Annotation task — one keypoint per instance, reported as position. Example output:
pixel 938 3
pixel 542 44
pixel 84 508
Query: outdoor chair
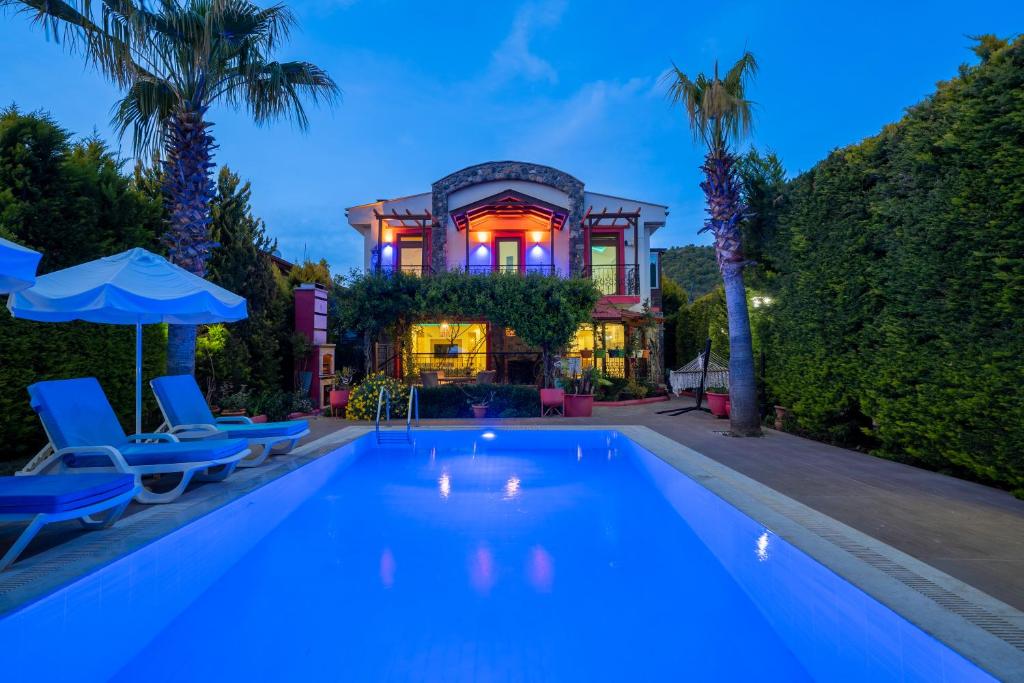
pixel 552 402
pixel 486 377
pixel 185 410
pixel 431 378
pixel 86 437
pixel 59 497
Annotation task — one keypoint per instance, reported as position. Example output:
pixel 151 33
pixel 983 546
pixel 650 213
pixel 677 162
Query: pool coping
pixel 983 629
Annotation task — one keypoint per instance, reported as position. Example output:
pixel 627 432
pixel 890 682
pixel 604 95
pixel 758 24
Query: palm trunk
pixel 188 191
pixel 725 213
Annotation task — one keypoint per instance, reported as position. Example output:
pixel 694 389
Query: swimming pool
pixel 478 556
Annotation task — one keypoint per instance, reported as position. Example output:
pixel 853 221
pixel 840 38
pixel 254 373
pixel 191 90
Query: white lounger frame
pixel 268 442
pixel 204 470
pixel 113 508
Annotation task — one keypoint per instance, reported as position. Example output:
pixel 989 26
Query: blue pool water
pixel 500 556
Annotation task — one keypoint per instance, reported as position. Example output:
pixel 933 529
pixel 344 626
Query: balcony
pixel 615 279
pixel 408 269
pixel 544 269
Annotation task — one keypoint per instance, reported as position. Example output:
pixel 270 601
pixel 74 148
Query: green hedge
pixel 450 401
pixel 898 321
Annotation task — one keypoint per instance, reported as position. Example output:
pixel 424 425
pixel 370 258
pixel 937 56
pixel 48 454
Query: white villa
pixel 518 217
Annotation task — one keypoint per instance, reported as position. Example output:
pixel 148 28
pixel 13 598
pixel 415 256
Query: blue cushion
pixel 75 412
pixel 261 430
pixel 164 453
pixel 60 492
pixel 181 400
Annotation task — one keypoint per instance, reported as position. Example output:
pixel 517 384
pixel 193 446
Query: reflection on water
pixel 481 570
pixel 387 568
pixel 541 571
pixel 762 547
pixel 444 484
pixel 512 487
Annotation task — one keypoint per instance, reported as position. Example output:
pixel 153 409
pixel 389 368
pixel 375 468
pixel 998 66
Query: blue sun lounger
pixel 59 497
pixel 185 409
pixel 86 437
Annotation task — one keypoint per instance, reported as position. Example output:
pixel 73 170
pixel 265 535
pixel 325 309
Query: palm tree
pixel 175 59
pixel 719 114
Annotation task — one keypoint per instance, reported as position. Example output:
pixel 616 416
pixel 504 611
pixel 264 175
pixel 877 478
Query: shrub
pixel 362 402
pixel 450 401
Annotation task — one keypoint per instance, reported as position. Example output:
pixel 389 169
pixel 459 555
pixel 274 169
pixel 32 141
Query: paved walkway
pixel 972 532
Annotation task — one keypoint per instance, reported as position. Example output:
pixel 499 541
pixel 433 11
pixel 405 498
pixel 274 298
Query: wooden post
pixel 551 242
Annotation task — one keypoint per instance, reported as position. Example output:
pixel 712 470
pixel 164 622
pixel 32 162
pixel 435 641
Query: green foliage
pixel 897 319
pixel 764 181
pixel 693 267
pixel 362 402
pixel 310 272
pixel 248 352
pixel 71 201
pixel 450 401
pixel 545 311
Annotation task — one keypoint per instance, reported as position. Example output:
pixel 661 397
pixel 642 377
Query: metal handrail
pixel 384 402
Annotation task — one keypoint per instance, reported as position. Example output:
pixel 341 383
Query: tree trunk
pixel 181 349
pixel 744 419
pixel 725 213
pixel 188 190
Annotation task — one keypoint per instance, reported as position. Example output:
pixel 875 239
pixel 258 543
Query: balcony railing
pixel 510 367
pixel 545 269
pixel 411 270
pixel 622 278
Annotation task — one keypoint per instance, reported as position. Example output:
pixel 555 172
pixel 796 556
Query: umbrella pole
pixel 138 378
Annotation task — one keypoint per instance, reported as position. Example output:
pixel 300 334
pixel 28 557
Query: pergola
pixel 512 204
pixel 620 220
pixel 424 221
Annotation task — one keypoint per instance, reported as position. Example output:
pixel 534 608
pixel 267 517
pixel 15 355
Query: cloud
pixel 513 58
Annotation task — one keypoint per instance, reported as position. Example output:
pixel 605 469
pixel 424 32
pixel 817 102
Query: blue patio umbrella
pixel 136 287
pixel 17 266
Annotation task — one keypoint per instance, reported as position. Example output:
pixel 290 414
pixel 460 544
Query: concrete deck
pixel 971 532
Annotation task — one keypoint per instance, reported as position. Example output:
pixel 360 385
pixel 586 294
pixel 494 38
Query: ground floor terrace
pixel 619 345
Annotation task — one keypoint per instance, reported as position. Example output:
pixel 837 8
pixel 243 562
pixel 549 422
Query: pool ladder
pixel 384 403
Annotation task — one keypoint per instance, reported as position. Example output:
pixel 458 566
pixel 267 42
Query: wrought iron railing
pixel 622 278
pixel 509 367
pixel 408 269
pixel 545 269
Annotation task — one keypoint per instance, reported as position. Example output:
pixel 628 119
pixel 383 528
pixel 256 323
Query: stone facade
pixel 506 170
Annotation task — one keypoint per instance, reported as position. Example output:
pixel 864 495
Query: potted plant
pixel 586 353
pixel 234 403
pixel 478 404
pixel 342 388
pixel 717 397
pixel 579 392
pixel 599 353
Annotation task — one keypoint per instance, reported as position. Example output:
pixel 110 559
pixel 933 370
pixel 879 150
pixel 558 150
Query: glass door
pixel 410 254
pixel 507 254
pixel 604 262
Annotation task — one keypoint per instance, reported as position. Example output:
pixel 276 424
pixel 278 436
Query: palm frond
pixel 717 108
pixel 144 110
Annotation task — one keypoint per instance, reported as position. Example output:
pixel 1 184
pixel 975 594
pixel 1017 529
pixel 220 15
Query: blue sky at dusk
pixel 432 87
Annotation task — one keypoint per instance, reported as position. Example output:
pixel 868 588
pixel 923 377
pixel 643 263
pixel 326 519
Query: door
pixel 507 254
pixel 605 269
pixel 410 254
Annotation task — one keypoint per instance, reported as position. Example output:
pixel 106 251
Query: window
pixel 655 275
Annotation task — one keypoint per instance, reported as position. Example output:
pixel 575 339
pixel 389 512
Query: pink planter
pixel 579 405
pixel 716 404
pixel 479 412
pixel 259 419
pixel 339 400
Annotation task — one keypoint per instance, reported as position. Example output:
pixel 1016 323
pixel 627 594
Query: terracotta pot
pixel 232 413
pixel 579 405
pixel 645 354
pixel 586 353
pixel 338 400
pixel 780 417
pixel 259 419
pixel 716 403
pixel 479 412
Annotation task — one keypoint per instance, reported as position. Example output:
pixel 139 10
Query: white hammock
pixel 688 376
